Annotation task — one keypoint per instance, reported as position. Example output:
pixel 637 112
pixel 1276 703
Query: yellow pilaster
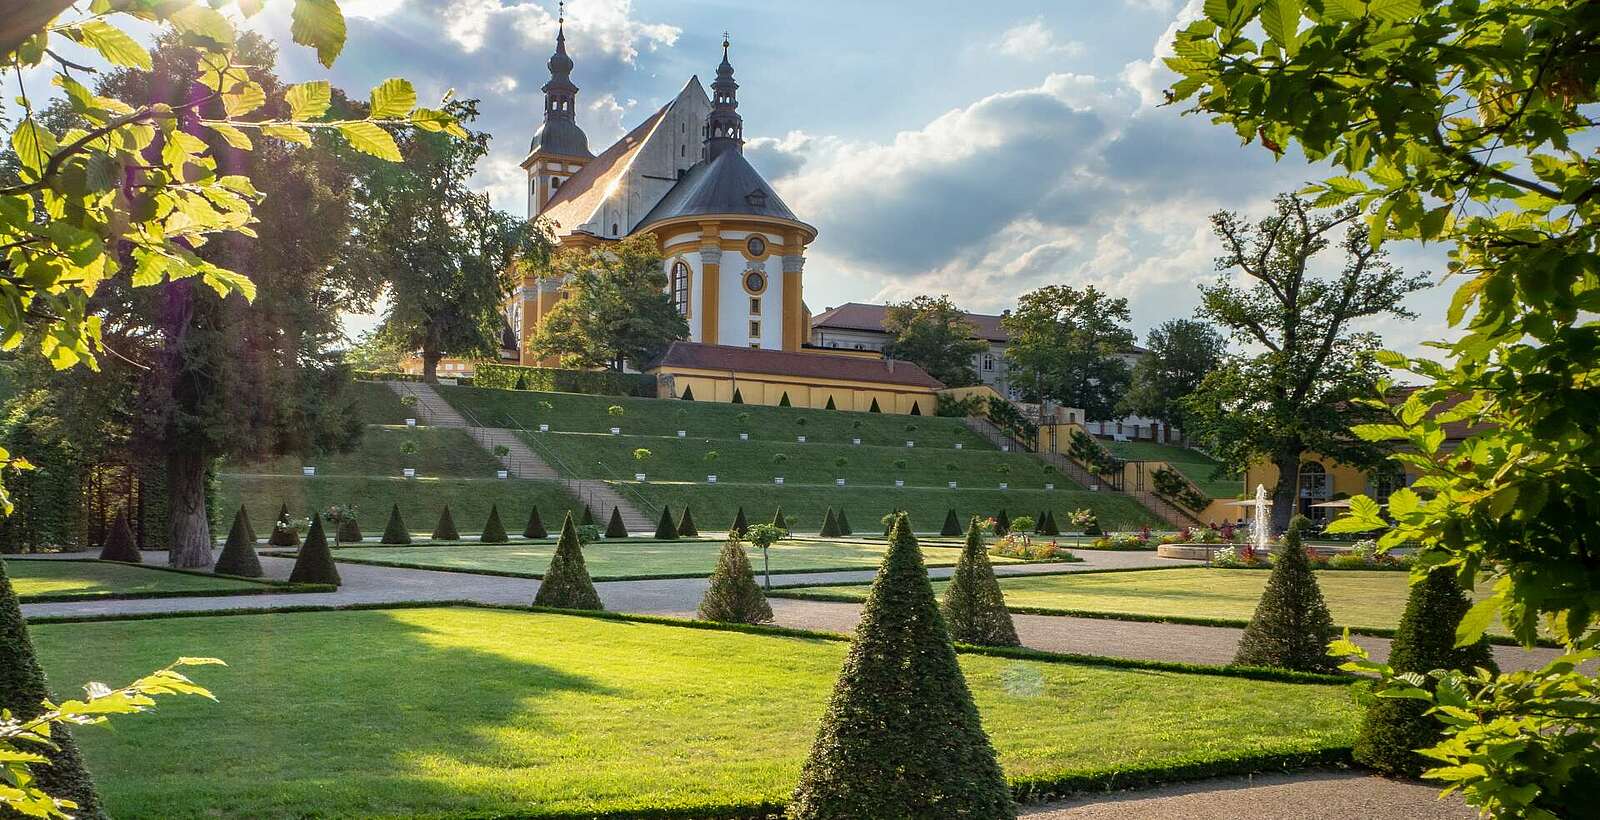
pixel 710 281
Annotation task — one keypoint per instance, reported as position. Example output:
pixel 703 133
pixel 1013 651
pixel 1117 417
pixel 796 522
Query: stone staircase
pixel 521 461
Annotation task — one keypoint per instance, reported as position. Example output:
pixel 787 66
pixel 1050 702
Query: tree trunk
pixel 1284 501
pixel 190 532
pixel 430 366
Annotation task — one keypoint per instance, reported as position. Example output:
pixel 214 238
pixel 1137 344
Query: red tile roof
pixel 574 203
pixel 860 316
pixel 795 363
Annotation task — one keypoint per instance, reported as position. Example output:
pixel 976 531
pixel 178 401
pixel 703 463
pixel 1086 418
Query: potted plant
pixel 710 457
pixel 763 536
pixel 409 402
pixel 408 448
pixel 501 452
pixel 640 455
pixel 342 519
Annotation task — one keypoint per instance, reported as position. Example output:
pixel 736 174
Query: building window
pixel 755 306
pixel 988 362
pixel 680 287
pixel 755 282
pixel 1314 481
pixel 1385 482
pixel 615 229
pixel 755 329
pixel 860 346
pixel 555 183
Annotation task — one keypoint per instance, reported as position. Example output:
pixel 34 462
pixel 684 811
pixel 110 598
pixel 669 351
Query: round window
pixel 756 245
pixel 755 282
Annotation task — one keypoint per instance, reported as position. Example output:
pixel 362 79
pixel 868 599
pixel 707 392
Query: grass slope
pixel 420 499
pixel 44 579
pixel 475 713
pixel 1194 465
pixel 441 451
pixel 377 404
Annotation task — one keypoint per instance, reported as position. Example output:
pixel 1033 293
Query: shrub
pixel 283 533
pixel 1291 626
pixel 641 454
pixel 734 597
pixel 249 529
pixel 1171 484
pixel 445 530
pixel 665 529
pixel 494 532
pixel 711 455
pixel 395 531
pixel 686 527
pixel 1393 728
pixel 238 552
pixel 1120 542
pixel 588 517
pixel 314 563
pixel 740 525
pixel 973 606
pixel 119 544
pixel 900 463
pixel 501 451
pixel 588 533
pixel 349 530
pixel 952 524
pixel 1086 450
pixel 616 411
pixel 1086 521
pixel 778 519
pixel 841 462
pixel 566 584
pixel 844 524
pixel 1002 523
pixel 23 691
pixel 535 528
pixel 555 380
pixel 779 458
pixel 901 737
pixel 615 528
pixel 1020 524
pixel 830 525
pixel 1039 523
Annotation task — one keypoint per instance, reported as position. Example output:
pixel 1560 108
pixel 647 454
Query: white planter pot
pixel 855 441
pixel 777 479
pixel 411 422
pixel 616 431
pixel 449 381
pixel 744 436
pixel 839 482
pixel 1094 488
pixel 308 471
pixel 1004 486
pixel 911 444
pixel 501 473
pixel 899 482
pixel 1049 486
pixel 1006 448
pixel 682 433
pixel 958 445
pixel 952 485
pixel 800 439
pixel 711 479
pixel 638 476
pixel 544 428
pixel 410 472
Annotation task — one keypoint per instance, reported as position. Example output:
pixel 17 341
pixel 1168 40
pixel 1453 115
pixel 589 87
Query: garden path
pixel 1312 795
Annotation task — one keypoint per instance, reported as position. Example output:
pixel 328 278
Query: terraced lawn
pixel 441 452
pixel 53 580
pixel 450 712
pixel 420 500
pixel 1194 465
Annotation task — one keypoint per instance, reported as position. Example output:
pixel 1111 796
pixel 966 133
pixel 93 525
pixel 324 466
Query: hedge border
pixel 267 586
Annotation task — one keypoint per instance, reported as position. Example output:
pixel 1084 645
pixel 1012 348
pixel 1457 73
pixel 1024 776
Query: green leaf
pixel 1394 11
pixel 308 101
pixel 114 44
pixel 1478 619
pixel 319 24
pixel 33 145
pixel 1281 20
pixel 393 98
pixel 1404 502
pixel 203 21
pixel 368 138
pixel 247 98
pixel 231 135
pixel 288 133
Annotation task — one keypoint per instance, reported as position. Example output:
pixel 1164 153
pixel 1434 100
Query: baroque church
pixel 734 253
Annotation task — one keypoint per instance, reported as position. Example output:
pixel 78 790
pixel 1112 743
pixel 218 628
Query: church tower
pixel 560 148
pixel 724 130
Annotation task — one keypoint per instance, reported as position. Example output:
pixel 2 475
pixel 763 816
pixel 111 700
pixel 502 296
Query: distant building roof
pixel 725 185
pixel 861 316
pixel 564 137
pixel 794 363
pixel 577 199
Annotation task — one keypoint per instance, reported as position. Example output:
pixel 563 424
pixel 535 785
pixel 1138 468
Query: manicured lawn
pixel 1356 598
pixel 36 579
pixel 420 500
pixel 1194 465
pixel 636 557
pixel 441 451
pixel 475 713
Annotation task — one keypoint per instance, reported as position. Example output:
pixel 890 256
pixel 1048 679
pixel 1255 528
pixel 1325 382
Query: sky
pixel 979 150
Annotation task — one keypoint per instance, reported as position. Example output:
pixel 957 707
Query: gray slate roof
pixel 561 136
pixel 725 185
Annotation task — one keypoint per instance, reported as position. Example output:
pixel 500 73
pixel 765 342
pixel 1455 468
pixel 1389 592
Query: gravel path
pixel 1314 795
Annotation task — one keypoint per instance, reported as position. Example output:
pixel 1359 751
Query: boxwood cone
pixel 119 544
pixel 830 525
pixel 1394 728
pixel 535 528
pixel 615 528
pixel 739 524
pixel 249 529
pixel 1040 523
pixel 844 524
pixel 901 737
pixel 22 691
pixel 238 552
pixel 566 584
pixel 314 564
pixel 588 517
pixel 1291 626
pixel 778 519
pixel 952 524
pixel 665 529
pixel 734 597
pixel 283 536
pixel 445 530
pixel 973 607
pixel 1002 523
pixel 1050 527
pixel 494 532
pixel 395 531
pixel 686 527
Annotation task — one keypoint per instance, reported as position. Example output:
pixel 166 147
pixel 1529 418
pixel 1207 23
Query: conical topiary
pixel 665 529
pixel 779 520
pixel 734 597
pixel 23 690
pixel 494 532
pixel 1040 523
pixel 238 552
pixel 1291 626
pixel 1002 523
pixel 973 607
pixel 249 528
pixel 588 517
pixel 1050 527
pixel 686 527
pixel 1394 728
pixel 615 528
pixel 739 524
pixel 283 536
pixel 566 584
pixel 844 523
pixel 314 564
pixel 952 524
pixel 119 544
pixel 535 528
pixel 349 530
pixel 901 737
pixel 889 521
pixel 445 530
pixel 830 525
pixel 395 531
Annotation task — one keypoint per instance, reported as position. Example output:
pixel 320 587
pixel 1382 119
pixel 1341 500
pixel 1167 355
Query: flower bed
pixel 1022 547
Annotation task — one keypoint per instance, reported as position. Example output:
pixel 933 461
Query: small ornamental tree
pixel 830 525
pixel 973 606
pixel 588 517
pixel 238 552
pixel 901 737
pixel 778 519
pixel 395 531
pixel 686 527
pixel 740 525
pixel 615 528
pixel 665 529
pixel 23 692
pixel 494 532
pixel 952 524
pixel 566 584
pixel 844 523
pixel 283 535
pixel 734 597
pixel 119 544
pixel 1394 728
pixel 1291 626
pixel 535 528
pixel 314 564
pixel 445 530
pixel 1002 523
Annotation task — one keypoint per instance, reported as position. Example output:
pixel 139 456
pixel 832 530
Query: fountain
pixel 1261 526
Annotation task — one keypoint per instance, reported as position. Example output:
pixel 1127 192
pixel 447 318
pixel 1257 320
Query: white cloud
pixel 370 9
pixel 1151 77
pixel 605 27
pixel 1033 40
pixel 504 84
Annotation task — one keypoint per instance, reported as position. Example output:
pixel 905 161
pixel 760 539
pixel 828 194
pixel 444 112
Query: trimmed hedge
pixel 119 544
pixel 493 531
pixel 445 530
pixel 844 524
pixel 283 536
pixel 349 531
pixel 556 380
pixel 973 605
pixel 615 528
pixel 1291 626
pixel 952 524
pixel 830 525
pixel 740 525
pixel 314 564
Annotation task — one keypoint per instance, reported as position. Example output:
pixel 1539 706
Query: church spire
pixel 560 133
pixel 724 126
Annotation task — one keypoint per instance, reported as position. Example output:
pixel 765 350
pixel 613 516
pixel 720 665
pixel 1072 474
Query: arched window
pixel 680 287
pixel 1384 482
pixel 1314 481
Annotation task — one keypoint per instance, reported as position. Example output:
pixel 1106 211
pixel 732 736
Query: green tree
pixel 901 737
pixel 1294 384
pixel 733 596
pixel 566 584
pixel 762 537
pixel 1291 626
pixel 239 551
pixel 935 335
pixel 615 312
pixel 374 351
pixel 1182 352
pixel 1065 344
pixel 314 562
pixel 974 608
pixel 395 531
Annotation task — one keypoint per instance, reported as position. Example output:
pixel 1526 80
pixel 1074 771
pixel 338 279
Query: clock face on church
pixel 755 281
